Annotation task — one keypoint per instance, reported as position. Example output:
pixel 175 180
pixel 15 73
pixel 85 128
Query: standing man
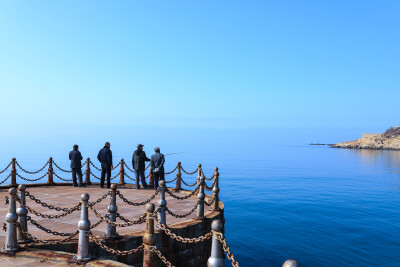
pixel 138 159
pixel 76 165
pixel 157 166
pixel 105 158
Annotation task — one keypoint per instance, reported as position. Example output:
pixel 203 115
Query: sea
pixel 319 205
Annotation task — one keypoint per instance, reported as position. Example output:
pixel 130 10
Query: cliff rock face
pixel 378 141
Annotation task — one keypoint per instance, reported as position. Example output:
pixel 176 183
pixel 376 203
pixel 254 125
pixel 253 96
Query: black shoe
pixel 81 185
pixel 75 185
pixel 102 186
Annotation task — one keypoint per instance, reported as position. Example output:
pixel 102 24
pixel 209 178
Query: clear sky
pixel 87 66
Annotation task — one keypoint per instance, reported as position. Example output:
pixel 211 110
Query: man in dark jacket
pixel 157 166
pixel 138 159
pixel 76 165
pixel 105 158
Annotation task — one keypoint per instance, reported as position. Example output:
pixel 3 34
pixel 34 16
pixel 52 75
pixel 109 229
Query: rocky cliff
pixel 388 140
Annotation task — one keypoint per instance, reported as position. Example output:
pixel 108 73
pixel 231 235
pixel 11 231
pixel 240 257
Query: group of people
pixel 139 158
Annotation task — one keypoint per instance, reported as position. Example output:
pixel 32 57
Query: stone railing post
pixel 215 191
pixel 162 203
pixel 122 173
pixel 217 254
pixel 201 196
pixel 13 174
pixel 112 211
pixel 199 170
pixel 22 212
pixel 87 176
pixel 50 172
pixel 290 263
pixel 178 186
pixel 84 227
pixel 11 244
pixel 149 238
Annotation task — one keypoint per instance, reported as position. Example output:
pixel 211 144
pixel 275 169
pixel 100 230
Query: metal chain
pixel 91 163
pixel 130 168
pixel 5 179
pixel 189 173
pixel 148 175
pixel 49 242
pixel 126 220
pixel 128 176
pixel 226 248
pixel 194 240
pixel 162 258
pixel 141 219
pixel 38 201
pixel 65 180
pixel 37 213
pixel 115 176
pixel 183 215
pixel 100 199
pixel 115 251
pixel 41 227
pixel 148 166
pixel 190 185
pixel 167 182
pixel 61 169
pixel 182 198
pixel 139 203
pixel 32 180
pixel 209 204
pixel 172 170
pixel 211 187
pixel 116 166
pixel 19 166
pixel 6 167
pixel 98 178
pixel 208 179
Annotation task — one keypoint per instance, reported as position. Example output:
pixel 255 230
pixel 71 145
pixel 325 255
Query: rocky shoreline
pixel 389 140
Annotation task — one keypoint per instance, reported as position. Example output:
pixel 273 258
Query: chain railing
pixel 138 203
pixel 32 180
pixel 190 185
pixel 182 215
pixel 6 168
pixel 61 169
pixel 185 197
pixel 226 248
pixel 115 251
pixel 188 173
pixel 41 169
pixel 129 223
pixel 63 179
pixel 5 179
pixel 162 258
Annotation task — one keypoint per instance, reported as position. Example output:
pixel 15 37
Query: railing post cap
pixel 13 159
pixel 21 187
pixel 12 191
pixel 179 163
pixel 114 187
pixel 199 165
pixel 85 197
pixel 162 183
pixel 50 158
pixel 216 169
pixel 217 225
pixel 122 160
pixel 290 263
pixel 150 207
pixel 88 158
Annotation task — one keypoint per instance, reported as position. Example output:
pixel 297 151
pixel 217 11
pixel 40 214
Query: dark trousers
pixel 142 178
pixel 76 171
pixel 157 176
pixel 105 168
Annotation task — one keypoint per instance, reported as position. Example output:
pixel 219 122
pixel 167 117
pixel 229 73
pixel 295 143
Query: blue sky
pixel 198 65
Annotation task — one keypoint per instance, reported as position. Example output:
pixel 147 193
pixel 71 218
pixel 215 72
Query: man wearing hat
pixel 138 159
pixel 76 166
pixel 157 166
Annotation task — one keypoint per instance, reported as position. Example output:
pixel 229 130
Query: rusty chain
pixel 91 163
pixel 189 173
pixel 100 199
pixel 112 178
pixel 39 214
pixel 167 182
pixel 127 220
pixel 19 166
pixel 209 204
pixel 190 185
pixel 226 248
pixel 32 180
pixel 5 179
pixel 148 175
pixel 148 166
pixel 128 176
pixel 172 170
pixel 208 179
pixel 9 164
pixel 41 227
pixel 130 168
pixel 61 169
pixel 194 240
pixel 183 215
pixel 115 251
pixel 211 187
pixel 119 163
pixel 139 203
pixel 65 180
pixel 98 178
pixel 141 219
pixel 162 258
pixel 38 201
pixel 49 242
pixel 182 198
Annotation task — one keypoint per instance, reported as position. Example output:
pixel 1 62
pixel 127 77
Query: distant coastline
pixel 389 140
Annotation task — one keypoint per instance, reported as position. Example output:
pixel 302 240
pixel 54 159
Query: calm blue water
pixel 321 206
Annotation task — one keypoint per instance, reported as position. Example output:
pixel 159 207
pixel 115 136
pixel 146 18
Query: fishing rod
pixel 174 153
